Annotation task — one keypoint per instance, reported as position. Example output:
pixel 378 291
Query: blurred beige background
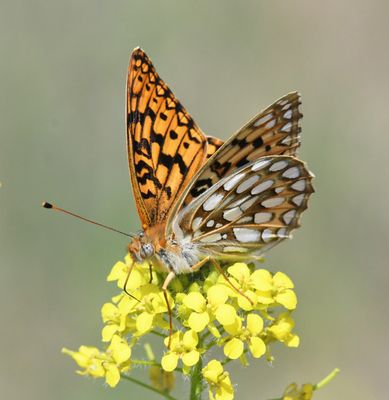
pixel 62 77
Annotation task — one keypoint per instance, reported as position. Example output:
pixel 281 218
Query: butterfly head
pixel 141 248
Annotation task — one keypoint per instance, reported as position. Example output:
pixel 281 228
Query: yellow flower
pixel 283 293
pixel 107 365
pixel 274 289
pixel 207 313
pixel 131 315
pixel 250 334
pixel 220 387
pixel 293 392
pixel 199 312
pixel 88 358
pixel 183 346
pixel 281 330
pixel 261 287
pixel 241 278
pixel 140 274
pixel 198 317
pixel 151 309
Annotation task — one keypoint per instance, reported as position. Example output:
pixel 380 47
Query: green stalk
pixel 196 381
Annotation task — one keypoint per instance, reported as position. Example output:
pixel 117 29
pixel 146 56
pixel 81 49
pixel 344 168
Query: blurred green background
pixel 62 76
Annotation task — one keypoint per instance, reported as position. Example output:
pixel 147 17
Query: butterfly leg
pixel 151 273
pixel 126 282
pixel 220 269
pixel 169 278
pixel 197 266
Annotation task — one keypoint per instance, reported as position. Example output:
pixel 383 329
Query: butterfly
pixel 201 200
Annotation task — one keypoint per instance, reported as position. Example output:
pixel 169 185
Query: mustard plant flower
pixel 281 330
pixel 198 317
pixel 219 382
pixel 183 346
pixel 108 365
pixel 241 277
pixel 239 335
pixel 212 319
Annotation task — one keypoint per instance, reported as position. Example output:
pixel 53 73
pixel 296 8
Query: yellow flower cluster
pixel 208 313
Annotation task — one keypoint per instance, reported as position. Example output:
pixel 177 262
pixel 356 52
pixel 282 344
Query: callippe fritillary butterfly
pixel 201 200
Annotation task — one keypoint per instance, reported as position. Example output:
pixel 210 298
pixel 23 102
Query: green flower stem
pixel 196 382
pixel 145 362
pixel 327 379
pixel 146 386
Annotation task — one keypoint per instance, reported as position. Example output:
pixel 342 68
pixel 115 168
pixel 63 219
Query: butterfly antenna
pixel 55 208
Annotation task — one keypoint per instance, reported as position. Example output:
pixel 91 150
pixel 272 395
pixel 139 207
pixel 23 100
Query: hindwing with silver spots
pixel 274 131
pixel 250 210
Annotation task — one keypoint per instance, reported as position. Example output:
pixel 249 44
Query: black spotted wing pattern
pixel 165 146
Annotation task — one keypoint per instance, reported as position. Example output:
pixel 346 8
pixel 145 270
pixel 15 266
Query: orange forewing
pixel 165 146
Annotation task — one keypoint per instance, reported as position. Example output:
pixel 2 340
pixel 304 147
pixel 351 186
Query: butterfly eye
pixel 146 250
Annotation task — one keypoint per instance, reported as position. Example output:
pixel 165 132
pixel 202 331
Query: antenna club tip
pixel 45 204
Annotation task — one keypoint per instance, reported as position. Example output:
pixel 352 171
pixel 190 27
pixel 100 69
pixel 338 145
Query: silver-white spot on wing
pixel 288 216
pixel 213 201
pixel 287 141
pixel 282 233
pixel 298 200
pixel 273 202
pixel 262 217
pixel 279 189
pixel 291 173
pixel 232 214
pixel 267 235
pixel 247 184
pixel 286 127
pixel 262 186
pixel 260 165
pixel 248 203
pixel 245 220
pixel 270 124
pixel 299 185
pixel 277 166
pixel 285 107
pixel 288 114
pixel 245 235
pixel 233 181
